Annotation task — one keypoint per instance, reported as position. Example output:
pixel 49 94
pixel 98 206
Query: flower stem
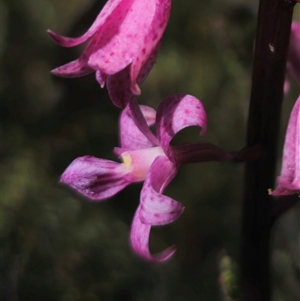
pixel 203 152
pixel 271 47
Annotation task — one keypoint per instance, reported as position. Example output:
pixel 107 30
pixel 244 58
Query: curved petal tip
pixel 164 255
pixel 135 89
pixel 55 37
pixel 139 238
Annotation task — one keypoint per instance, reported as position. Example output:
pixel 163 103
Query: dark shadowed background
pixel 56 245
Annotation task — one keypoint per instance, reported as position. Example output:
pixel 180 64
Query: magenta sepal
pixel 289 180
pixel 97 179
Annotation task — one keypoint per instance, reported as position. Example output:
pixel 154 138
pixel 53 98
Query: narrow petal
pixel 150 41
pixel 177 112
pixel 75 68
pixel 119 42
pixel 289 180
pixel 130 136
pixel 118 87
pixel 156 208
pixel 97 179
pixel 119 84
pixel 140 121
pixel 106 12
pixel 139 238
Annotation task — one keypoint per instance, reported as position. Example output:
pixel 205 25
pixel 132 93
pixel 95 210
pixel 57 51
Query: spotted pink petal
pixel 106 12
pixel 129 36
pixel 119 84
pixel 175 113
pixel 151 39
pixel 101 44
pixel 130 136
pixel 289 180
pixel 139 238
pixel 156 208
pixel 97 179
pixel 125 35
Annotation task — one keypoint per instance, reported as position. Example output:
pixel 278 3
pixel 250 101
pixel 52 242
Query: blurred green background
pixel 56 245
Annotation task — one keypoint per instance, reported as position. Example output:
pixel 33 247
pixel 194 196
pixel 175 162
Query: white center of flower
pixel 138 162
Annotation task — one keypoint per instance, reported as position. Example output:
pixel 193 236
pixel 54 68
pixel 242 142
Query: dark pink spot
pixel 154 37
pixel 156 214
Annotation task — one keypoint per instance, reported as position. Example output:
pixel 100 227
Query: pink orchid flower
pixel 293 59
pixel 123 44
pixel 289 180
pixel 144 159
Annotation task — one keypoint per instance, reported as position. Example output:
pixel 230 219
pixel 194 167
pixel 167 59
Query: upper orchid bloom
pixel 144 159
pixel 293 59
pixel 124 36
pixel 289 180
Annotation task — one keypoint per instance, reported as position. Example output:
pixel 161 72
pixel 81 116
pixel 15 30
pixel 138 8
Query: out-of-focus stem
pixel 271 47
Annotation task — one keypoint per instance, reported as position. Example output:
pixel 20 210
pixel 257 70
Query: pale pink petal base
pixel 139 238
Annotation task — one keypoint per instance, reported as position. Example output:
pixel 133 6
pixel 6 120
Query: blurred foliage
pixel 56 245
